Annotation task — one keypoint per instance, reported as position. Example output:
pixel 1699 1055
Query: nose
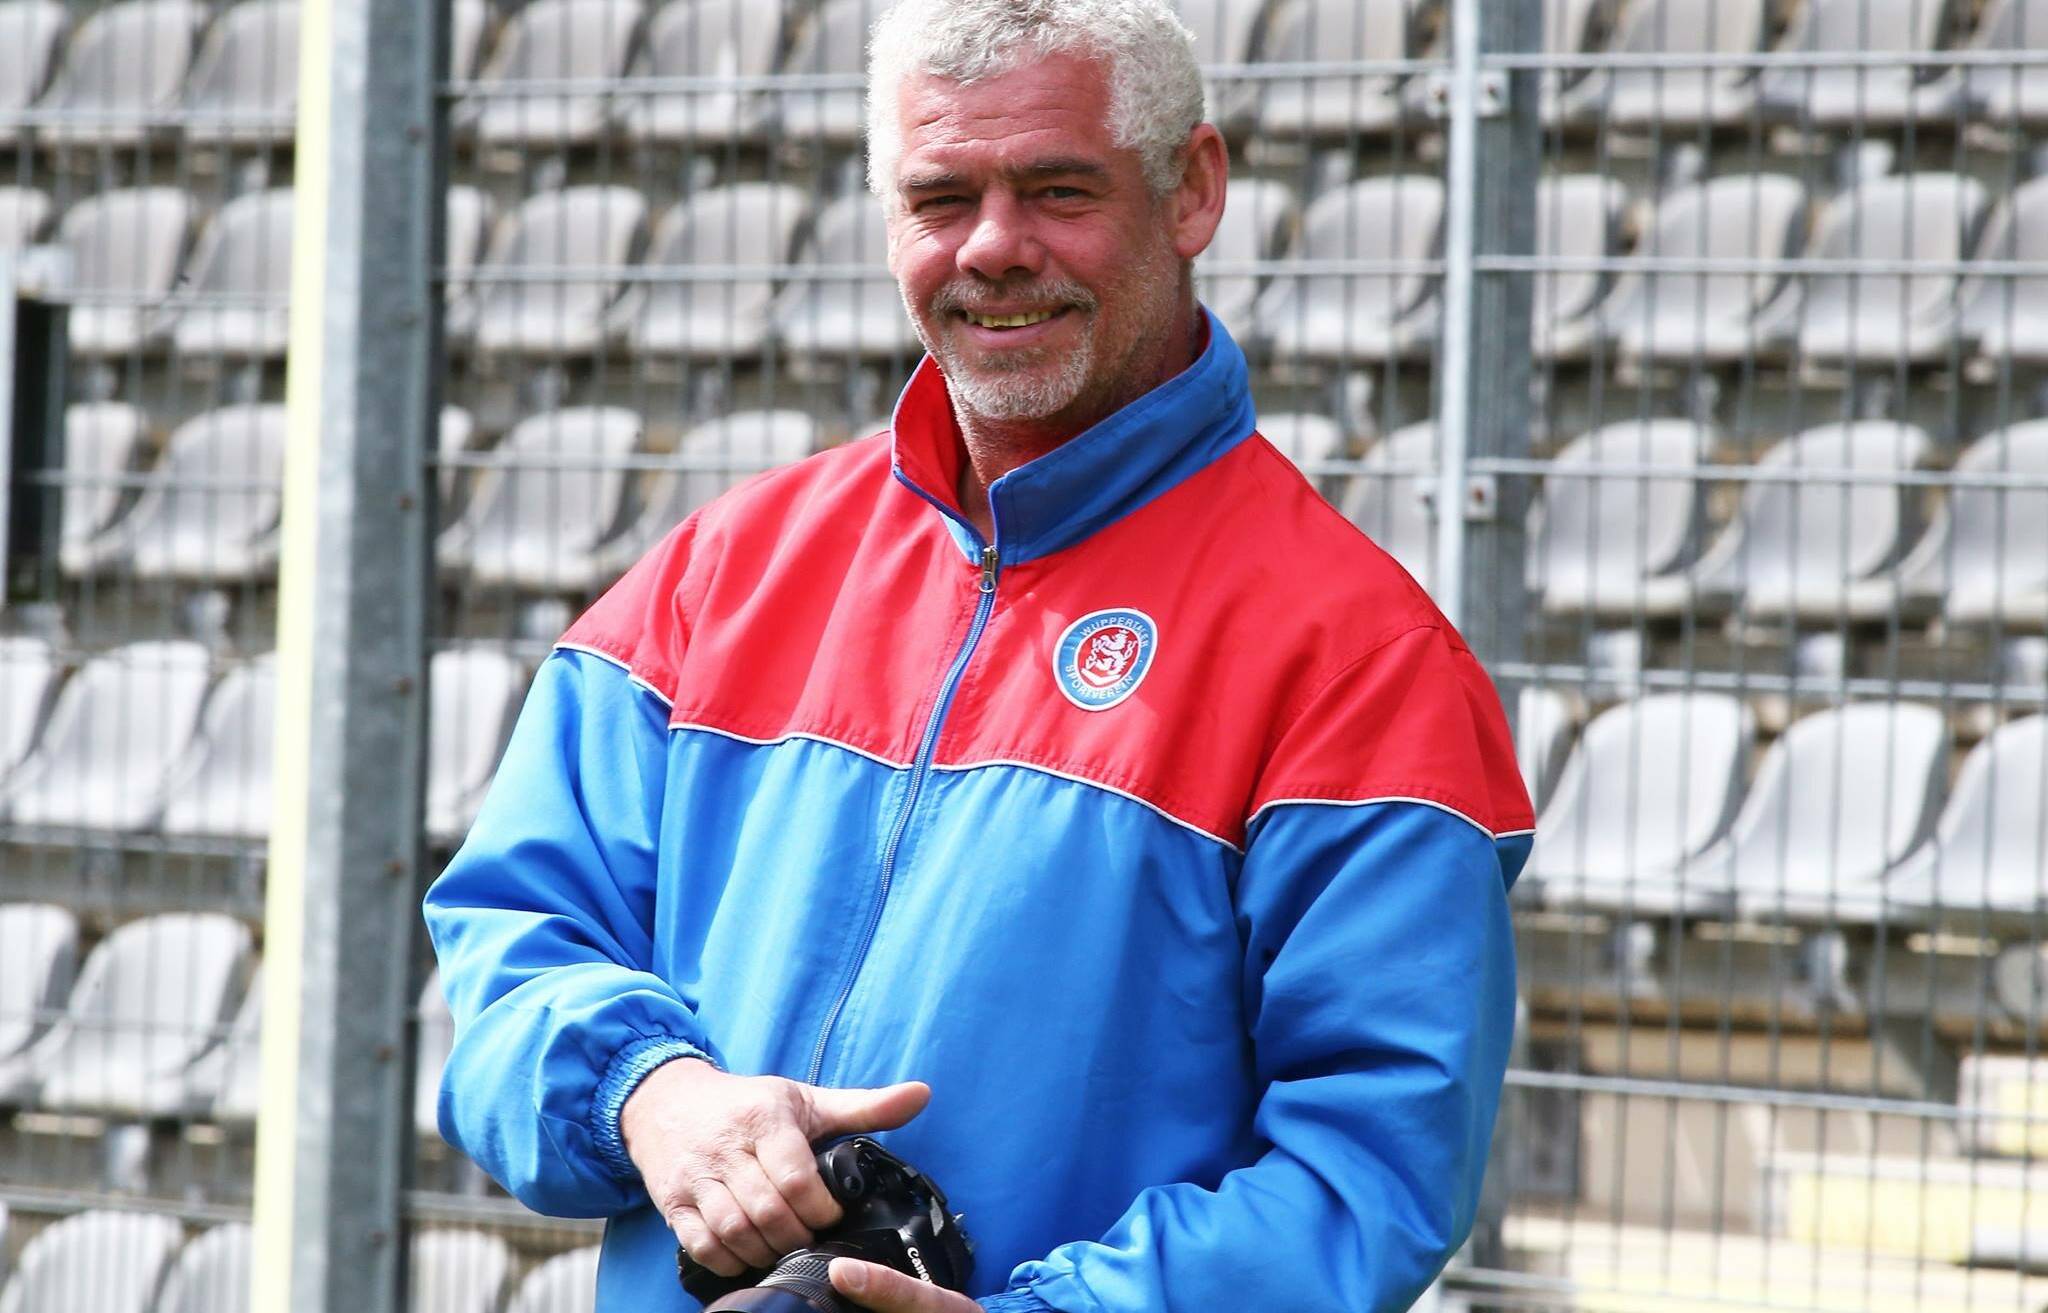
pixel 1001 244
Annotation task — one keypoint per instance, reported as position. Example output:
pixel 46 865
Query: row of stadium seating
pixel 106 1261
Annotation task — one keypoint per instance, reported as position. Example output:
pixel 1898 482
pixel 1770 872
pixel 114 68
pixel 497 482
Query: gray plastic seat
pixel 38 958
pixel 436 1042
pixel 1614 544
pixel 476 691
pixel 550 494
pixel 104 444
pixel 1985 557
pixel 1681 317
pixel 1990 848
pixel 227 791
pixel 29 672
pixel 120 726
pixel 235 303
pixel 1856 96
pixel 99 1261
pixel 228 1078
pixel 577 227
pixel 709 459
pixel 551 40
pixel 24 212
pixel 468 23
pixel 458 1271
pixel 1889 317
pixel 704 39
pixel 1567 30
pixel 1390 498
pixel 832 41
pixel 1225 33
pixel 1840 798
pixel 1578 217
pixel 125 246
pixel 29 31
pixel 244 88
pixel 468 218
pixel 2007 317
pixel 211 509
pixel 1817 547
pixel 211 1275
pixel 151 999
pixel 1677 98
pixel 746 224
pixel 1649 785
pixel 1371 316
pixel 2014 95
pixel 1329 31
pixel 124 65
pixel 566 1283
pixel 1544 722
pixel 843 316
pixel 1258 219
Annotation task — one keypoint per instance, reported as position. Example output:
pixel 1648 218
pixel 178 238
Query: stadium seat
pixel 211 1275
pixel 121 725
pixel 1567 31
pixel 244 87
pixel 544 315
pixel 833 40
pixel 457 1271
pixel 1889 317
pixel 29 673
pixel 1370 316
pixel 1389 498
pixel 749 224
pixel 840 316
pixel 436 1041
pixel 210 510
pixel 566 1283
pixel 1615 544
pixel 1989 850
pixel 1676 99
pixel 1985 557
pixel 474 693
pixel 1578 217
pixel 1226 35
pixel 234 302
pixel 124 65
pixel 104 444
pixel 1840 798
pixel 38 958
pixel 468 220
pixel 710 458
pixel 30 31
pixel 1258 220
pixel 2007 317
pixel 1309 440
pixel 24 211
pixel 1855 97
pixel 468 24
pixel 550 40
pixel 704 39
pixel 229 1077
pixel 226 791
pixel 2013 96
pixel 548 495
pixel 1544 721
pixel 152 997
pixel 1649 785
pixel 1816 547
pixel 93 1262
pixel 1683 316
pixel 1328 31
pixel 125 246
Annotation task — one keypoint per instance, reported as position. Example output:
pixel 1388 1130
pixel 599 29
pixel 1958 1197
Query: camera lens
pixel 800 1283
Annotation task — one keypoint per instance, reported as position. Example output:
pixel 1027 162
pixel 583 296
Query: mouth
pixel 1010 323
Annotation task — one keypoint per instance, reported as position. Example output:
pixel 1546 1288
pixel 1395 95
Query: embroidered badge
pixel 1102 657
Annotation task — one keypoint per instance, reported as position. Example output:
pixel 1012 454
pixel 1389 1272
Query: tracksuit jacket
pixel 1168 837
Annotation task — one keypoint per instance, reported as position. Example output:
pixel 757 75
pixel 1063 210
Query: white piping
pixel 1093 784
pixel 631 674
pixel 792 735
pixel 1366 802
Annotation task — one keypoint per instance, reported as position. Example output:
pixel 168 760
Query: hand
pixel 728 1160
pixel 885 1290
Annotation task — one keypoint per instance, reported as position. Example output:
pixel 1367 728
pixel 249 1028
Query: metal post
pixel 334 1140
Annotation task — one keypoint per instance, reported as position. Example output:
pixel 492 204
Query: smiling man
pixel 1053 783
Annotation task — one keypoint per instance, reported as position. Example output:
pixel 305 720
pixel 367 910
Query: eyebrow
pixel 1056 167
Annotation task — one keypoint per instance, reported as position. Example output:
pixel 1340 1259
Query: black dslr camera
pixel 894 1215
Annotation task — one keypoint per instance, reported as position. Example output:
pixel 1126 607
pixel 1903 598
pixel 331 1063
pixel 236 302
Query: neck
pixel 995 447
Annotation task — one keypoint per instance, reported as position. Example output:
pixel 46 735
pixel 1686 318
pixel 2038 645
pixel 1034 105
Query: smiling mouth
pixel 1011 321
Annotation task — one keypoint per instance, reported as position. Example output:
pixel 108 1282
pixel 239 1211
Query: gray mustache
pixel 978 299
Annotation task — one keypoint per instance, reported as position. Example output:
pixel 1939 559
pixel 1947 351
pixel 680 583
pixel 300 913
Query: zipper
pixel 920 767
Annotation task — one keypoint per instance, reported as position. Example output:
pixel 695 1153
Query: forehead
pixel 1054 106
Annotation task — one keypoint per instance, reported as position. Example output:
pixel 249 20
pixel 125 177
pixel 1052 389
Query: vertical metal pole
pixel 334 1140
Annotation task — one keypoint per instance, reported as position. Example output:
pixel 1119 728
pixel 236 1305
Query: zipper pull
pixel 989 560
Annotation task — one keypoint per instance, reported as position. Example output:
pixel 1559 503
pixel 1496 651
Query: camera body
pixel 895 1215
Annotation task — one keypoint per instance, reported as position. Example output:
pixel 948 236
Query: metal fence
pixel 1689 351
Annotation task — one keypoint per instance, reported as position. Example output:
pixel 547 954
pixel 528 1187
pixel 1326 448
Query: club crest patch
pixel 1102 658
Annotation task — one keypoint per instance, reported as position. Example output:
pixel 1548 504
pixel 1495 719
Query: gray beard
pixel 1006 396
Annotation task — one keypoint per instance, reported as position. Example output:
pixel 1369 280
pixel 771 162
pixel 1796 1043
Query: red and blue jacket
pixel 1168 837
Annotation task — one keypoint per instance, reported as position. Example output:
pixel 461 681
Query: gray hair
pixel 1155 85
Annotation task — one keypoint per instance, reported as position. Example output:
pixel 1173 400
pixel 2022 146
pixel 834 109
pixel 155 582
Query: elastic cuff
pixel 628 1069
pixel 1017 1301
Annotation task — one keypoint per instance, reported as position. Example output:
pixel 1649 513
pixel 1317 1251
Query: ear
pixel 1198 201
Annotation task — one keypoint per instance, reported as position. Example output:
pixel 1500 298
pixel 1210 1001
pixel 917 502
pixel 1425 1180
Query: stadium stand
pixel 233 305
pixel 551 40
pixel 1989 851
pixel 1667 97
pixel 436 1039
pixel 2011 96
pixel 710 458
pixel 1611 541
pixel 551 493
pixel 458 1271
pixel 1328 31
pixel 211 1274
pixel 120 73
pixel 748 224
pixel 474 691
pixel 1545 719
pixel 1985 557
pixel 832 41
pixel 1259 219
pixel 1390 498
pixel 30 670
pixel 566 1283
pixel 100 1261
pixel 1359 316
pixel 224 788
pixel 104 443
pixel 843 305
pixel 38 958
pixel 1578 217
pixel 210 509
pixel 24 213
pixel 2007 317
pixel 244 86
pixel 31 29
pixel 1884 318
pixel 1861 95
pixel 125 248
pixel 585 226
pixel 703 38
pixel 228 1079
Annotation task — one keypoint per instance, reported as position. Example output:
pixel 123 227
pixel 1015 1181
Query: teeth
pixel 1011 321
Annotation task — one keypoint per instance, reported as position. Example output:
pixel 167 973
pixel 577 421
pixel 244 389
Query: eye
pixel 937 202
pixel 1064 193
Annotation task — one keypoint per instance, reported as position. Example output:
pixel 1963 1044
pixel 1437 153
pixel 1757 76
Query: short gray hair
pixel 1155 85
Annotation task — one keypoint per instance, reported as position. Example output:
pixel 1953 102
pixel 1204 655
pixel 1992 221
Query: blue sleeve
pixel 542 925
pixel 1379 987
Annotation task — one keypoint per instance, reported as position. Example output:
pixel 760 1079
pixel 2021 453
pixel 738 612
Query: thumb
pixel 847 1112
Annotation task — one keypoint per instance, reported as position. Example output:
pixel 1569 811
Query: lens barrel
pixel 800 1283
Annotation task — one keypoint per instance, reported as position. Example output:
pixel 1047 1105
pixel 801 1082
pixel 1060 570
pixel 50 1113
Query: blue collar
pixel 1093 479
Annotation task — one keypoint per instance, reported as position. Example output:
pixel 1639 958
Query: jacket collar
pixel 1095 478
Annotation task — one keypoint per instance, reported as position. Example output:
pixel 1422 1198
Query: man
pixel 1054 782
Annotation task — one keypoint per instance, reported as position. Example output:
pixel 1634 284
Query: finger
pixel 766 1208
pixel 793 1169
pixel 883 1289
pixel 848 1112
pixel 729 1222
pixel 697 1241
